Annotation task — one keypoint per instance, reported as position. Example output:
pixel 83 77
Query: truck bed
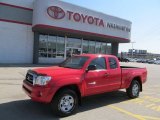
pixel 129 71
pixel 128 67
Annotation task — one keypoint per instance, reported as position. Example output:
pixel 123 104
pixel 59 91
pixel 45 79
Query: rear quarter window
pixel 113 63
pixel 100 63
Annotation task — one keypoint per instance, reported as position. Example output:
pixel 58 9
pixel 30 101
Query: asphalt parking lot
pixel 15 105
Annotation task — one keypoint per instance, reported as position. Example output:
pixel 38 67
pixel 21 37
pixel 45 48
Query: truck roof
pixel 96 55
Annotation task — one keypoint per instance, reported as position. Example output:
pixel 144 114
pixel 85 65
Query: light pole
pixel 132 42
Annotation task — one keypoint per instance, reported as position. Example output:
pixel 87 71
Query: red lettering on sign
pixel 84 17
pixel 90 20
pixel 58 13
pixel 69 14
pixel 77 17
pixel 96 20
pixel 101 23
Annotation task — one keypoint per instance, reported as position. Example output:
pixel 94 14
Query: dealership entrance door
pixel 73 47
pixel 73 51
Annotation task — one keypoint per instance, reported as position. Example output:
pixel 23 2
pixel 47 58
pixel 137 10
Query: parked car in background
pixel 157 62
pixel 124 60
pixel 133 59
pixel 142 60
pixel 151 61
pixel 139 60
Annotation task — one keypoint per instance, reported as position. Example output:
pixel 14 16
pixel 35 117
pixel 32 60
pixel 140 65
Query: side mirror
pixel 91 67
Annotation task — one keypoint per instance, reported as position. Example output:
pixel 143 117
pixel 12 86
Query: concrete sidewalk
pixel 16 71
pixel 9 73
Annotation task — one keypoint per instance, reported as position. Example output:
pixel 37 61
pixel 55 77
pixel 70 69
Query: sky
pixel 144 15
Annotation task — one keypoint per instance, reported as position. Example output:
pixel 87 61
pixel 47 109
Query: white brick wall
pixel 16 43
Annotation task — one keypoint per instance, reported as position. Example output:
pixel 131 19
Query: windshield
pixel 75 62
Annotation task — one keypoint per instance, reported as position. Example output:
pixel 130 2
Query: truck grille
pixel 30 77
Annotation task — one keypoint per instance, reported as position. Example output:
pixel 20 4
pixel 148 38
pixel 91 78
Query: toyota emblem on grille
pixel 56 12
pixel 28 77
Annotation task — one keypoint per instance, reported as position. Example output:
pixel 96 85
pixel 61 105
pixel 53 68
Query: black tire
pixel 56 103
pixel 130 91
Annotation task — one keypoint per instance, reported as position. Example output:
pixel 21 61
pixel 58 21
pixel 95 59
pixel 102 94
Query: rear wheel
pixel 134 89
pixel 65 103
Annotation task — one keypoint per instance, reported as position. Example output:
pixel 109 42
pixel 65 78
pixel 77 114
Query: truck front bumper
pixel 38 93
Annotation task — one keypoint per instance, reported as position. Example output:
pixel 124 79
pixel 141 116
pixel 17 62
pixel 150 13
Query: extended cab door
pixel 114 77
pixel 96 81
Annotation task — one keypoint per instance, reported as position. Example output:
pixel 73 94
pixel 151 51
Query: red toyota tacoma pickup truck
pixel 81 75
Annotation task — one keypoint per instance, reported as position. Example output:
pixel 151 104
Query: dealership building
pixel 49 31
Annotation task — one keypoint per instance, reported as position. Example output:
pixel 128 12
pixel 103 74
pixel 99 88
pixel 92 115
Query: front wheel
pixel 65 103
pixel 134 89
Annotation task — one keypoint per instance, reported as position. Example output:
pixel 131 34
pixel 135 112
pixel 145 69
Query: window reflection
pixel 92 46
pixel 98 47
pixel 108 49
pixel 60 47
pixel 43 45
pixel 73 42
pixel 103 48
pixel 51 46
pixel 85 46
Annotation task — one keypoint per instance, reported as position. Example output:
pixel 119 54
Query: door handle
pixel 106 74
pixel 92 83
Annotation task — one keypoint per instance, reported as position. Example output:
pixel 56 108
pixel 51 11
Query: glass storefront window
pixel 85 46
pixel 92 47
pixel 73 42
pixel 98 47
pixel 43 45
pixel 103 48
pixel 60 47
pixel 51 46
pixel 108 50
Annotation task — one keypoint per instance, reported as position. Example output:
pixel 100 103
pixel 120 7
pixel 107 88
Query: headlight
pixel 42 80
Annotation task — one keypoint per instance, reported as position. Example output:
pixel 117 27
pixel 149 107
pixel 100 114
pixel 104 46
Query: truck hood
pixel 57 71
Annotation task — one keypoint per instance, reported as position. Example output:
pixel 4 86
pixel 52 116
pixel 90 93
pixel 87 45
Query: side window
pixel 100 63
pixel 113 63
